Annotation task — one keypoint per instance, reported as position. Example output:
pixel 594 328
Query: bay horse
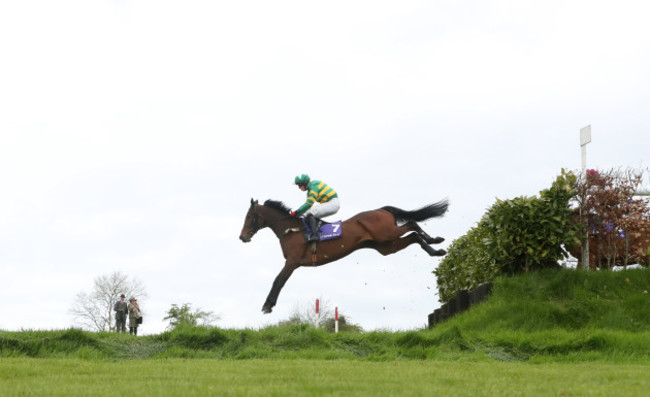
pixel 382 229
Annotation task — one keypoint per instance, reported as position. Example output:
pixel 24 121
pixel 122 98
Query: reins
pixel 279 235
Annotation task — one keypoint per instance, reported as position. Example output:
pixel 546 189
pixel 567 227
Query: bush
pixel 522 234
pixel 467 264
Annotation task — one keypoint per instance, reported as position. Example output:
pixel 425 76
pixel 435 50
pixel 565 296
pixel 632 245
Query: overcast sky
pixel 135 133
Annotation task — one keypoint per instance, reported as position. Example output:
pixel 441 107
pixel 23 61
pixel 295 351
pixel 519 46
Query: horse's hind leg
pixel 429 240
pixel 432 240
pixel 279 282
pixel 426 247
pixel 403 242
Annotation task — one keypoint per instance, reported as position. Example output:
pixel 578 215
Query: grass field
pixel 178 377
pixel 561 333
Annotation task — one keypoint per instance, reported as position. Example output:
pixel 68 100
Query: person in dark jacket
pixel 121 310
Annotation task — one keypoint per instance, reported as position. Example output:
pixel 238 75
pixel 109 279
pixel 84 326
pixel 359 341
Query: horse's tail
pixel 422 214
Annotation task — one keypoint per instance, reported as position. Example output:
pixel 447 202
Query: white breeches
pixel 325 209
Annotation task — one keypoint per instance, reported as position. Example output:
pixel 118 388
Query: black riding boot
pixel 312 222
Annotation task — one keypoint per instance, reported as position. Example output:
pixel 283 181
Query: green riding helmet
pixel 302 180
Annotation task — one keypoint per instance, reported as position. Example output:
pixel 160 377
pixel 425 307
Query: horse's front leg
pixel 279 282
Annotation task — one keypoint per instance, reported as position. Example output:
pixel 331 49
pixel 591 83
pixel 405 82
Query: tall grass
pixel 549 316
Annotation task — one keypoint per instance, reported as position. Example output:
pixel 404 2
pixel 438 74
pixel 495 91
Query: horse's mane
pixel 278 206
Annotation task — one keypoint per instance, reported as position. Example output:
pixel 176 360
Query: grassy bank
pixel 553 316
pixel 561 333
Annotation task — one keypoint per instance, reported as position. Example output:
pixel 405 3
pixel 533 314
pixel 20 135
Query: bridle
pixel 254 224
pixel 255 227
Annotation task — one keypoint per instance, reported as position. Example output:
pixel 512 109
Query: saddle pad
pixel 329 231
pixel 326 231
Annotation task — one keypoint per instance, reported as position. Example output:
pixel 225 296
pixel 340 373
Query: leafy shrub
pixel 521 234
pixel 467 264
pixel 618 221
pixel 184 315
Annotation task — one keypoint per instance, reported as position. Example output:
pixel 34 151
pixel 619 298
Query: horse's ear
pixel 253 202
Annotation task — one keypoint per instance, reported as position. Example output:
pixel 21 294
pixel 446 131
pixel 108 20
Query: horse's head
pixel 252 223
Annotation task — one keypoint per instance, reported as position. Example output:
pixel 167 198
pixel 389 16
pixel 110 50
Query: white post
pixel 585 138
pixel 336 320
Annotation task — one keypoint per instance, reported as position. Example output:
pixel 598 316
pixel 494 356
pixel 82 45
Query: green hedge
pixel 521 234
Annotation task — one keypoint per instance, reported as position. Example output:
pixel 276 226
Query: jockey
pixel 320 192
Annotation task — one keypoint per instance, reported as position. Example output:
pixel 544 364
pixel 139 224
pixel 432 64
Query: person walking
pixel 121 310
pixel 134 316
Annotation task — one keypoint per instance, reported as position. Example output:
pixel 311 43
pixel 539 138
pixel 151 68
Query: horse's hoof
pixel 441 253
pixel 429 250
pixel 437 240
pixel 266 310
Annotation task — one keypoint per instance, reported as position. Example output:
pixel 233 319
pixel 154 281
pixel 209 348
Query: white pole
pixel 336 320
pixel 585 138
